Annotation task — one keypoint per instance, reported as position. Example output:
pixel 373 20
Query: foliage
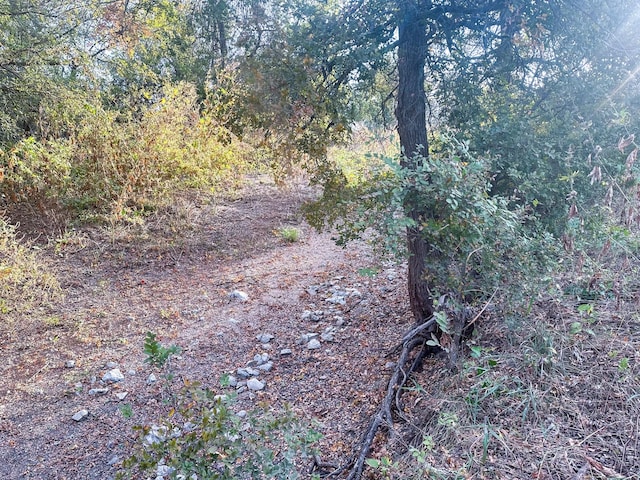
pixel 289 234
pixel 25 282
pixel 205 437
pixel 157 354
pixel 110 163
pixel 477 242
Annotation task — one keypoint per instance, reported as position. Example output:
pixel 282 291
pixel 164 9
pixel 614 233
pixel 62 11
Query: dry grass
pixel 539 398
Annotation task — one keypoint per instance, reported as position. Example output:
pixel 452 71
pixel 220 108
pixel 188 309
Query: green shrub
pixel 205 437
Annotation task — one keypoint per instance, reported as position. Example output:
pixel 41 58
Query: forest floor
pixel 551 395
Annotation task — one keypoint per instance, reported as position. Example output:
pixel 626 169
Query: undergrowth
pixel 25 281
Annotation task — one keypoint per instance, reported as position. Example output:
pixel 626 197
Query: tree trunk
pixel 412 129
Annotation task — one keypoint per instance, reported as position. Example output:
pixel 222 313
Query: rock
pixel 258 359
pixel 151 379
pixel 156 435
pixel 389 365
pixel 243 373
pixel 313 344
pixel 114 460
pixel 98 391
pixel 233 381
pixel 131 372
pixel 80 415
pixel 255 384
pixel 113 376
pixel 337 298
pixel 265 337
pixel 252 371
pixel 242 413
pixel 327 337
pixel 239 295
pixel 286 351
pixel 339 321
pixel 111 365
pixel 164 471
pixel 122 395
pixel 266 367
pixel 314 316
pixel 70 363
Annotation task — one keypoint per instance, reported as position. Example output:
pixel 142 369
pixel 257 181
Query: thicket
pixel 99 161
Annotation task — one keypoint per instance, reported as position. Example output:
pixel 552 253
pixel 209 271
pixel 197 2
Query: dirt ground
pixel 172 276
pixel 551 392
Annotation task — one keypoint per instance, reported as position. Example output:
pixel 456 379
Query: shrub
pixel 24 280
pixel 109 162
pixel 205 437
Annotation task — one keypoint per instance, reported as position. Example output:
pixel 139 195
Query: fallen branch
pixel 384 415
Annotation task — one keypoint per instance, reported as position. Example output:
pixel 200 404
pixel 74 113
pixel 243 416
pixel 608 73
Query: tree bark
pixel 412 129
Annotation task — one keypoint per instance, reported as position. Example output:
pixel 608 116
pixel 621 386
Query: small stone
pixel 111 365
pixel 243 373
pixel 265 337
pixel 98 391
pixel 122 395
pixel 327 337
pixel 339 321
pixel 389 365
pixel 286 351
pixel 266 367
pixel 151 379
pixel 241 389
pixel 255 384
pixel 313 344
pixel 164 471
pixel 131 372
pixel 239 295
pixel 156 435
pixel 113 376
pixel 80 415
pixel 242 413
pixel 252 371
pixel 233 381
pixel 70 363
pixel 114 460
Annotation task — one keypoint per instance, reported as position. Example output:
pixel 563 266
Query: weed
pixel 289 234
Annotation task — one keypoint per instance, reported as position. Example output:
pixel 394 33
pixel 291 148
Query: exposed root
pixel 384 414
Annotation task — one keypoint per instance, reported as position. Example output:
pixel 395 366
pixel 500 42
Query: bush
pixel 478 242
pixel 24 281
pixel 109 163
pixel 206 438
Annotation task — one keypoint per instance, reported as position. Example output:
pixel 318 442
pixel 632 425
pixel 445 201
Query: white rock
pixel 313 344
pixel 286 351
pixel 239 295
pixel 255 384
pixel 112 376
pixel 122 395
pixel 70 363
pixel 98 391
pixel 151 379
pixel 265 337
pixel 164 470
pixel 80 415
pixel 266 367
pixel 111 365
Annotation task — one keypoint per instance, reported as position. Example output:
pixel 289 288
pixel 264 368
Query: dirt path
pixel 172 276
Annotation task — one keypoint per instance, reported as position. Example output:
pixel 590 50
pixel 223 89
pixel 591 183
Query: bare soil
pixel 551 393
pixel 172 275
